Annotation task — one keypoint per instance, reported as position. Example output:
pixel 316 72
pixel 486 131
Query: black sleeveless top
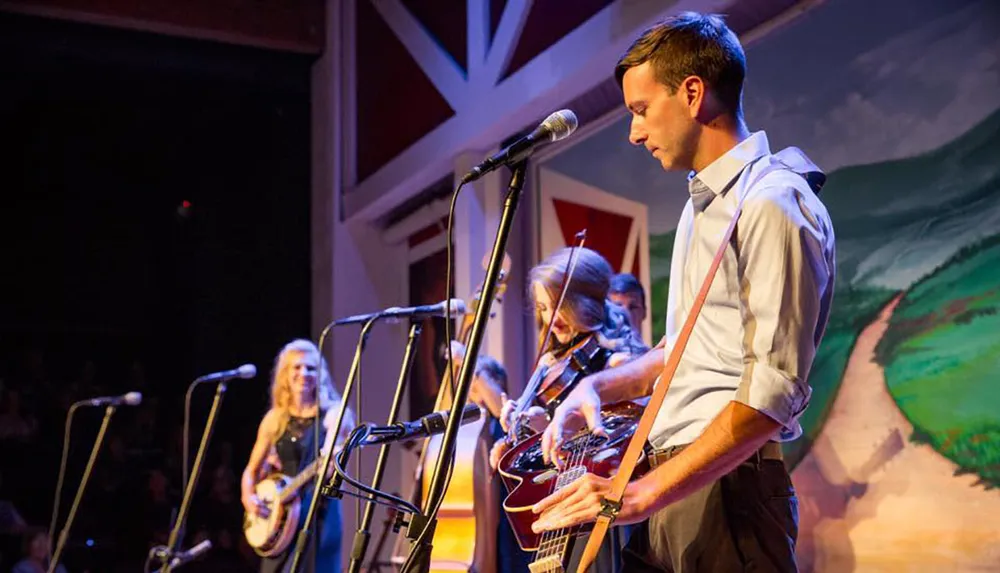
pixel 295 445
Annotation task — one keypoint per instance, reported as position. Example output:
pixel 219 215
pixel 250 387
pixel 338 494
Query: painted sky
pixel 850 82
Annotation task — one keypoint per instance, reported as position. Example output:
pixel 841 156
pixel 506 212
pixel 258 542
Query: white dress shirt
pixel 768 306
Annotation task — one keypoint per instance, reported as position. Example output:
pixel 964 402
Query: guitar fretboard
pixel 552 551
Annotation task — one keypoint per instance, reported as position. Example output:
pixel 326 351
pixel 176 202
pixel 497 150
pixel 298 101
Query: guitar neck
pixel 551 554
pixel 300 480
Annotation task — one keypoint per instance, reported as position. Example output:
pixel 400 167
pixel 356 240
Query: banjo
pixel 269 536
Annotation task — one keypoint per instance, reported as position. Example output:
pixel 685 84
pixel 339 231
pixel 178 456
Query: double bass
pixel 454 546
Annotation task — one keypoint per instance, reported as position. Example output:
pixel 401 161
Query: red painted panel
pixel 293 25
pixel 445 20
pixel 607 233
pixel 397 103
pixel 428 232
pixel 547 23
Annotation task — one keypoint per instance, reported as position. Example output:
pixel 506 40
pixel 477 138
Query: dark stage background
pixel 154 226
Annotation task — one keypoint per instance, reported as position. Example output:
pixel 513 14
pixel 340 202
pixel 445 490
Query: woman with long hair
pixel 586 311
pixel 286 443
pixel 586 316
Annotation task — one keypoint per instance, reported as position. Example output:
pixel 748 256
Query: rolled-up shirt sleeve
pixel 783 276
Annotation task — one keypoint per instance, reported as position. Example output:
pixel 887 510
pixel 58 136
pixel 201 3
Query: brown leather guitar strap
pixel 612 502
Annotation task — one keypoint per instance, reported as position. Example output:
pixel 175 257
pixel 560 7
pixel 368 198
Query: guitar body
pixel 271 535
pixel 529 479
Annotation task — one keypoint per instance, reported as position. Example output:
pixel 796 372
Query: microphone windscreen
pixel 132 398
pixel 561 124
pixel 247 371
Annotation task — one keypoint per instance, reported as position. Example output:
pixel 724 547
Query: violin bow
pixel 522 403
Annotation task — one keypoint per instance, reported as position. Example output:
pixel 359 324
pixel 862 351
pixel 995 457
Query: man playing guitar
pixel 719 497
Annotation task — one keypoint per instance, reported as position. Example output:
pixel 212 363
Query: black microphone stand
pixel 363 536
pixel 64 534
pixel 166 555
pixel 421 529
pixel 324 468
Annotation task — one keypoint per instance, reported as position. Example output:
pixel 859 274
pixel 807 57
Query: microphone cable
pixel 358 435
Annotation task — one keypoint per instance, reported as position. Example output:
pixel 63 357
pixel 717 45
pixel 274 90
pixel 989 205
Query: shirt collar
pixel 717 177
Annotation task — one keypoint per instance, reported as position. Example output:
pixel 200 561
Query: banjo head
pixel 260 531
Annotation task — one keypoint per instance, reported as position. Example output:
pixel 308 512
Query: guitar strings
pixel 584 461
pixel 580 461
pixel 545 545
pixel 553 543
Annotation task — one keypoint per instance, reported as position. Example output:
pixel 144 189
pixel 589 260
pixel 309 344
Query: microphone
pixel 190 554
pixel 245 371
pixel 396 313
pixel 430 425
pixel 184 556
pixel 130 399
pixel 557 126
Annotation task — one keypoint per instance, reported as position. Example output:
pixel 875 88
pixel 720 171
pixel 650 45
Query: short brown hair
pixel 492 369
pixel 626 283
pixel 692 44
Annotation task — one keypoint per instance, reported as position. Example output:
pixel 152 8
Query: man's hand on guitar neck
pixel 581 501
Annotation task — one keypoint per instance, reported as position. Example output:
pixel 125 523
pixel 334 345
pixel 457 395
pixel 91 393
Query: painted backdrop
pixel 899 102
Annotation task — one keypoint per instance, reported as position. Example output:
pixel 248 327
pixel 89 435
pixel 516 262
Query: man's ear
pixel 694 93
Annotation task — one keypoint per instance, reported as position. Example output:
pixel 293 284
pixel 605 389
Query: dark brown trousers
pixel 745 521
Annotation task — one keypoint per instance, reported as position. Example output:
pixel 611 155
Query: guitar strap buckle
pixel 610 509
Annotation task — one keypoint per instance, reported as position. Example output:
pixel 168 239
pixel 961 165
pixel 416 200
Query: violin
pixel 582 358
pixel 555 377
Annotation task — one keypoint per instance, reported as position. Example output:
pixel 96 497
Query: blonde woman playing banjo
pixel 276 503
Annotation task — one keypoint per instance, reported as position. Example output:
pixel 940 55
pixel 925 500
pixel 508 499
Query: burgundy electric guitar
pixel 529 479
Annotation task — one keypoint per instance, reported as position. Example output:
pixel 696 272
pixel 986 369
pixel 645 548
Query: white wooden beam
pixel 515 14
pixel 434 60
pixel 576 64
pixel 477 38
